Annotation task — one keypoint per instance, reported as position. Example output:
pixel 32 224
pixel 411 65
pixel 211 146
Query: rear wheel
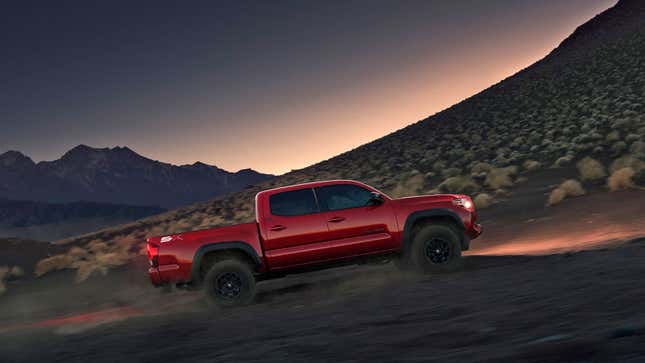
pixel 436 248
pixel 230 283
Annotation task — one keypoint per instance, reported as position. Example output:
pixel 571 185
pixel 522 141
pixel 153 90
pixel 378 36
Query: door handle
pixel 336 219
pixel 278 227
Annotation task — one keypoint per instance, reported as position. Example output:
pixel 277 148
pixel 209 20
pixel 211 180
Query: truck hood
pixel 427 199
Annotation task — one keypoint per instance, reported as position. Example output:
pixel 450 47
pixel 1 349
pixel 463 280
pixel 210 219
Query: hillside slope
pixel 583 99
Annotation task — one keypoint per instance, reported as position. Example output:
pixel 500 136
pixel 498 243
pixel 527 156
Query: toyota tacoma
pixel 311 226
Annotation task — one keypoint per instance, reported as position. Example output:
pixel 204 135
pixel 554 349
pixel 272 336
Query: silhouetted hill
pixel 116 175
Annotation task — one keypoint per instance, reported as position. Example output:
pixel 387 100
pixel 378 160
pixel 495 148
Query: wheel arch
pixel 437 215
pixel 209 251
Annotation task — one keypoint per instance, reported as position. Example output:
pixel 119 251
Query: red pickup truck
pixel 312 226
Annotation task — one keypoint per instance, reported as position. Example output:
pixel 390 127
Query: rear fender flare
pixel 222 246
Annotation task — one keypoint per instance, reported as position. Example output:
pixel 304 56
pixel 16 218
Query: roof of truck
pixel 313 185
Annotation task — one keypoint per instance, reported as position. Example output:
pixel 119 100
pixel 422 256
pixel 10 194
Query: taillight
pixel 153 254
pixel 464 202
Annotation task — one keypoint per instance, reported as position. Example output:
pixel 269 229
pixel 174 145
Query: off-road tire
pixel 435 248
pixel 229 283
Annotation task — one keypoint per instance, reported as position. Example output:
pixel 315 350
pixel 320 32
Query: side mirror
pixel 376 199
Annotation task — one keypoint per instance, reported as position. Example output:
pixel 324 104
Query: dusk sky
pixel 270 85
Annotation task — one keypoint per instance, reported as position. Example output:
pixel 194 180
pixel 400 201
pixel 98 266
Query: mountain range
pixel 116 175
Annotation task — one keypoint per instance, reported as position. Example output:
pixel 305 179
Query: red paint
pixel 284 242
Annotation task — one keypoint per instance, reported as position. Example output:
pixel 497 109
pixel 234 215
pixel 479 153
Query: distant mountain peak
pixel 83 152
pixel 14 158
pixel 80 151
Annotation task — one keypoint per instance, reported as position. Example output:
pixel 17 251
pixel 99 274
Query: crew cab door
pixel 356 224
pixel 291 224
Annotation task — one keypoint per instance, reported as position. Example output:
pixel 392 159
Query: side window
pixel 295 203
pixel 342 196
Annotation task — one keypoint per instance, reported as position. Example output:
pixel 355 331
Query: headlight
pixel 463 202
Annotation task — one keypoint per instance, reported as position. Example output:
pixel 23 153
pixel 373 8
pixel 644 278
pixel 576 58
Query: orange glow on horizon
pixel 319 129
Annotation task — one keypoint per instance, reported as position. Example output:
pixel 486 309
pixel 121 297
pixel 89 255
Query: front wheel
pixel 436 248
pixel 230 283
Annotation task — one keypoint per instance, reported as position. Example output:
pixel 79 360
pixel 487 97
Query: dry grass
pixel 532 165
pixel 7 273
pixel 16 271
pixel 563 161
pixel 498 178
pixel 613 136
pixel 569 188
pixel 410 186
pixel 481 167
pixel 621 179
pixel 96 256
pixel 483 200
pixel 557 195
pixel 572 187
pixel 53 263
pixel 591 169
pixel 626 161
pixel 459 184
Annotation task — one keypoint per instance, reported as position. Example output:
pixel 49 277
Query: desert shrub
pixel 459 184
pixel 572 187
pixel 619 147
pixel 77 253
pixel 557 195
pixel 627 161
pixel 499 177
pixel 568 188
pixel 447 173
pixel 638 148
pixel 639 177
pixel 97 246
pixel 438 166
pixel 410 186
pixel 6 274
pixel 591 169
pixel 613 136
pixel 85 269
pixel 53 263
pixel 563 161
pixel 483 200
pixel 631 138
pixel 621 179
pixel 16 271
pixel 532 165
pixel 481 167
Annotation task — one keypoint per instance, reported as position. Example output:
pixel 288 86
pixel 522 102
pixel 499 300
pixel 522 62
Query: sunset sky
pixel 270 85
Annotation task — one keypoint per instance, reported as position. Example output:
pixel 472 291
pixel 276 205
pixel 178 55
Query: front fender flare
pixel 429 213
